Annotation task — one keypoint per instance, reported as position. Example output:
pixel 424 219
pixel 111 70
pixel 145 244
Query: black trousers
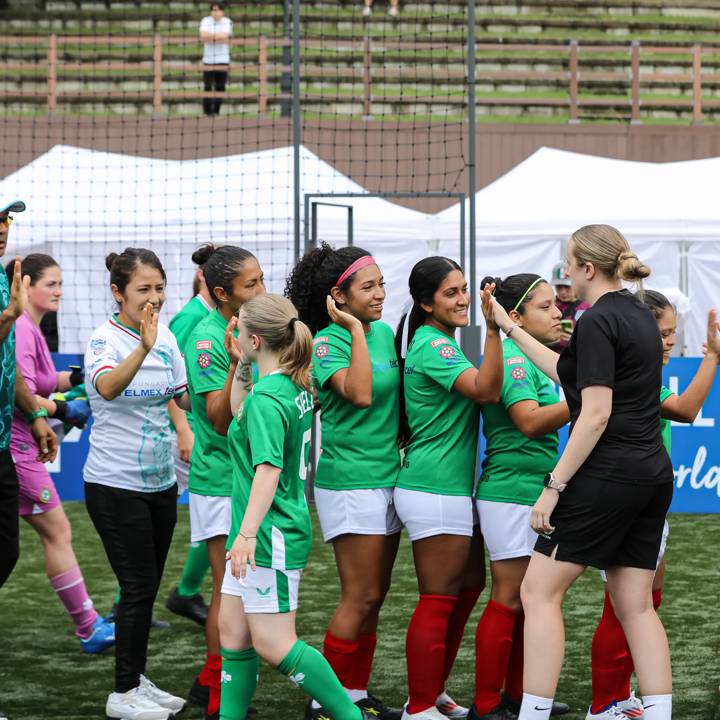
pixel 9 523
pixel 136 530
pixel 213 80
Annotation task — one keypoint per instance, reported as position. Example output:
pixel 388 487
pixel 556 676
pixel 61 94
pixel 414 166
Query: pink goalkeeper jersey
pixel 35 364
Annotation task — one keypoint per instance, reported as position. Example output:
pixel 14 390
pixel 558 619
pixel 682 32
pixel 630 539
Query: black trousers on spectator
pixel 213 80
pixel 136 530
pixel 9 523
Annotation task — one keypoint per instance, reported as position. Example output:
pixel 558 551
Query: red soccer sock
pixel 456 628
pixel 343 658
pixel 364 661
pixel 514 676
pixel 425 649
pixel 610 676
pixel 629 665
pixel 493 642
pixel 211 672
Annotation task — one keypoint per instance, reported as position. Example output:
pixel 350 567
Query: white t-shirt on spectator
pixel 216 53
pixel 130 438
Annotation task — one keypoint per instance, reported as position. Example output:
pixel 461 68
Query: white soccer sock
pixel 657 707
pixel 535 707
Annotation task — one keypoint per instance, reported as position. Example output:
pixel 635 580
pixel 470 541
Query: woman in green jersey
pixel 185 599
pixel 270 537
pixel 233 277
pixel 339 295
pixel 433 496
pixel 612 664
pixel 521 447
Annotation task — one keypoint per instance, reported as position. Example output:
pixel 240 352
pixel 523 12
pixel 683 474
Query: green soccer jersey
pixel 184 322
pixel 274 427
pixel 207 364
pixel 359 445
pixel 440 457
pixel 514 465
pixel 665 425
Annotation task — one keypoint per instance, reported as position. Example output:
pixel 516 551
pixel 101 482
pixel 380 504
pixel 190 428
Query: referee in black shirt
pixel 605 502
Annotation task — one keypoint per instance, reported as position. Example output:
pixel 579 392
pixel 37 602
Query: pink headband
pixel 360 263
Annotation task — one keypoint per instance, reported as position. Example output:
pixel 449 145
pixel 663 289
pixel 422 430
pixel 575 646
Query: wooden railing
pixel 575 78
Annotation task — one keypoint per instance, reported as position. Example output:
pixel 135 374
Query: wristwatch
pixel 40 413
pixel 550 481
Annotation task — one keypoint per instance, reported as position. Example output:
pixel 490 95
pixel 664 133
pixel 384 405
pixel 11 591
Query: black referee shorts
pixel 606 524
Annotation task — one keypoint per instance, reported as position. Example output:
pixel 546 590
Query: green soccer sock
pixel 196 566
pixel 117 596
pixel 312 673
pixel 238 681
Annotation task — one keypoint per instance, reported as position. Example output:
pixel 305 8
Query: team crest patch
pixel 204 360
pixel 98 346
pixel 517 360
pixel 447 351
pixel 203 345
pixel 439 341
pixel 45 495
pixel 517 373
pixel 321 351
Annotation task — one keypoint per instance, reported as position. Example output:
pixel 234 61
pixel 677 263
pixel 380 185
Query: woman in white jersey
pixel 133 369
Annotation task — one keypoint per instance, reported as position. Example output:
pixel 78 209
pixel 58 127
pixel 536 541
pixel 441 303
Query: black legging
pixel 136 530
pixel 213 80
pixel 9 526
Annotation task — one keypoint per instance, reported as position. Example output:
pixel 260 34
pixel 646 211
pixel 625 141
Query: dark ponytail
pixel 512 290
pixel 220 266
pixel 311 280
pixel 123 266
pixel 425 278
pixel 33 265
pixel 656 301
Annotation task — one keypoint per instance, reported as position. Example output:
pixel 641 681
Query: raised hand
pixel 486 300
pixel 712 345
pixel 18 291
pixel 231 344
pixel 148 328
pixel 346 320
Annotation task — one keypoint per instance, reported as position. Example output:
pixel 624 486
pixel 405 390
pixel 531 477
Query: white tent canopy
pixel 667 211
pixel 82 204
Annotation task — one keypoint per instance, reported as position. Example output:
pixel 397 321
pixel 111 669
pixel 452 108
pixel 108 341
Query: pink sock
pixel 70 588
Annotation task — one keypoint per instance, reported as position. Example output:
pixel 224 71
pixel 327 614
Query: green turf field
pixel 44 676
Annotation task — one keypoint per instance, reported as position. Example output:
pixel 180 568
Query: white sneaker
pixel 134 705
pixel 449 708
pixel 430 714
pixel 612 713
pixel 392 11
pixel 632 707
pixel 367 11
pixel 160 697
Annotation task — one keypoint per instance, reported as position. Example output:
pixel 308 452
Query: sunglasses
pixel 7 220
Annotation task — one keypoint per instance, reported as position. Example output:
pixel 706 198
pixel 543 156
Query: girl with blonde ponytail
pixel 605 501
pixel 270 534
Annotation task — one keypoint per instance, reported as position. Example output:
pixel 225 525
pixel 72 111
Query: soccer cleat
pixel 101 638
pixel 251 713
pixel 376 708
pixel 160 697
pixel 312 713
pixel 449 708
pixel 632 707
pixel 134 705
pixel 193 608
pixel 610 713
pixel 558 708
pixel 500 712
pixel 432 713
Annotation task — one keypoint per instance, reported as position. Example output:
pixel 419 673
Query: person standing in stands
pixel 571 308
pixel 215 34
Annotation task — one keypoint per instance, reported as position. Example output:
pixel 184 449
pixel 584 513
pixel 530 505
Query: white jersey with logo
pixel 216 53
pixel 131 439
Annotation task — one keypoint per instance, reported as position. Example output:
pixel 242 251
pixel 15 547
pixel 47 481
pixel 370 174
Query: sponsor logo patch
pixel 321 351
pixel 517 360
pixel 98 346
pixel 204 360
pixel 439 341
pixel 203 345
pixel 517 373
pixel 320 339
pixel 447 351
pixel 45 495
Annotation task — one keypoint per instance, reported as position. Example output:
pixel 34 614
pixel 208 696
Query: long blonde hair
pixel 275 319
pixel 608 250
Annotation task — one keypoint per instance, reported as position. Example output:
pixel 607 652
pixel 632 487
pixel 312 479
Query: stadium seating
pixel 414 63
